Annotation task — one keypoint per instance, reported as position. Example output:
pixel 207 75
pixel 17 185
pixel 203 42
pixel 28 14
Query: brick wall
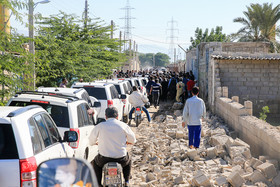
pixel 254 80
pixel 263 138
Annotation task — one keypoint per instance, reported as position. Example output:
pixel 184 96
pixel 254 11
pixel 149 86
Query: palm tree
pixel 259 24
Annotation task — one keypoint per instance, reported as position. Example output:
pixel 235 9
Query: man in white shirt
pixel 193 113
pixel 112 136
pixel 137 99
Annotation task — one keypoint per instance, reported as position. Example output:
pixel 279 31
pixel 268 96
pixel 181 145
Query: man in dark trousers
pixel 193 113
pixel 155 92
pixel 112 136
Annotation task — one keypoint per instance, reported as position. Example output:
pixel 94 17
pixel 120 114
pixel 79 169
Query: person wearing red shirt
pixel 190 85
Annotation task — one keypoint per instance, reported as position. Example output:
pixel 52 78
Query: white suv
pixel 80 93
pixel 28 136
pixel 107 94
pixel 123 89
pixel 69 113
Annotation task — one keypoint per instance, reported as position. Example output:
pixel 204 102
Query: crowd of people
pixel 164 86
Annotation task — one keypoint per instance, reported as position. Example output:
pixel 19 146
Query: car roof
pixel 46 97
pixel 96 84
pixel 60 90
pixel 5 110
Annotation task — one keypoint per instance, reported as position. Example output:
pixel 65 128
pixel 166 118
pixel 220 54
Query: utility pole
pixel 134 55
pixel 130 55
pixel 112 29
pixel 120 41
pixel 86 13
pixel 174 55
pixel 186 57
pixel 154 61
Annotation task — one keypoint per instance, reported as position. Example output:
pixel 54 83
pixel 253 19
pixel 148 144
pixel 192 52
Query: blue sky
pixel 152 16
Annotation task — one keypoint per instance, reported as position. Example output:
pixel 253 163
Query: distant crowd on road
pixel 165 85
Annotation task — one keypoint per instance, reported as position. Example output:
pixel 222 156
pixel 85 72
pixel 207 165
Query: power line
pixel 155 41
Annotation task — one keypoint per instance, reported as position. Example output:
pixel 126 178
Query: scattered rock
pixel 161 156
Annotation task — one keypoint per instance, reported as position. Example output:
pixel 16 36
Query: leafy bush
pixel 263 115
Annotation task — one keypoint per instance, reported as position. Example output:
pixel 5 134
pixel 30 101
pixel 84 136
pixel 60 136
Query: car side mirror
pixel 123 96
pixel 70 136
pixel 66 172
pixel 96 104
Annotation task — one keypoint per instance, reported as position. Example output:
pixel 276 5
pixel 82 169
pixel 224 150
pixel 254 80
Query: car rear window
pixel 58 113
pixel 125 89
pixel 8 146
pixel 98 93
pixel 138 82
pixel 118 88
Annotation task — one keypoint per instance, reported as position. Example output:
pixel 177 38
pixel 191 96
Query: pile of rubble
pixel 161 156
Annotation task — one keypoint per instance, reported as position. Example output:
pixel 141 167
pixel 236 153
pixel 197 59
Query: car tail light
pixel 110 103
pixel 38 101
pixel 75 145
pixel 28 172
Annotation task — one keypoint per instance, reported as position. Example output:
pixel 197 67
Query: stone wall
pixel 254 80
pixel 198 60
pixel 263 138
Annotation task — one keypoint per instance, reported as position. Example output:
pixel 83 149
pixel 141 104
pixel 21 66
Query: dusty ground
pixel 161 157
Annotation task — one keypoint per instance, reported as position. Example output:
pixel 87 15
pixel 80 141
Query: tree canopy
pixel 147 59
pixel 259 24
pixel 215 35
pixel 65 48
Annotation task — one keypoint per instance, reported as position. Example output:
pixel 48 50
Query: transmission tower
pixel 172 37
pixel 127 28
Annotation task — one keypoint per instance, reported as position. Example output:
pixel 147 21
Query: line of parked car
pixel 34 126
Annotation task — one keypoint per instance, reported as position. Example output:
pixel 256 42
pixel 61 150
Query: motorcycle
pixel 138 115
pixel 112 175
pixel 74 172
pixel 62 172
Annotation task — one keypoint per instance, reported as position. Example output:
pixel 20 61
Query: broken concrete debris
pixel 161 157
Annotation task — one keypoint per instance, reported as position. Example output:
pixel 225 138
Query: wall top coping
pixel 244 56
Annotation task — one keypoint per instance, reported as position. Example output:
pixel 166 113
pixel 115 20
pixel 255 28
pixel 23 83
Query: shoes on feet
pixel 191 146
pixel 129 122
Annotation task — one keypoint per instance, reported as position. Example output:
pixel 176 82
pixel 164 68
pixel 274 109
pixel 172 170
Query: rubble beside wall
pixel 263 138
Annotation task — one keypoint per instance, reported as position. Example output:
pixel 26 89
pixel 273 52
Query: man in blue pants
pixel 193 113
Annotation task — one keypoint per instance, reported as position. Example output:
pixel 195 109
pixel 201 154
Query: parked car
pixel 28 136
pixel 106 93
pixel 122 88
pixel 68 112
pixel 80 93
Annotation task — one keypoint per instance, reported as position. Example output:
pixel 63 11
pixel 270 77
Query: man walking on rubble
pixel 193 113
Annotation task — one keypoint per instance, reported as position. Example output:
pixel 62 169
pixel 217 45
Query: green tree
pixel 15 70
pixel 215 35
pixel 65 48
pixel 147 59
pixel 259 24
pixel 162 59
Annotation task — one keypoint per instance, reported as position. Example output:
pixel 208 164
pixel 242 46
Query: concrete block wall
pixel 255 80
pixel 263 138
